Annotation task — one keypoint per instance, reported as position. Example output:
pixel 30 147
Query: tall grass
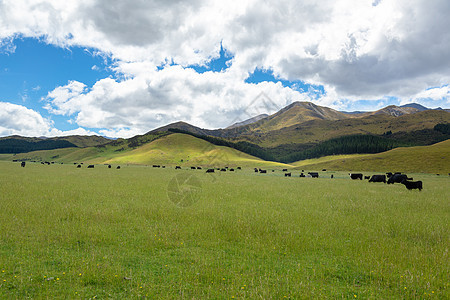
pixel 68 232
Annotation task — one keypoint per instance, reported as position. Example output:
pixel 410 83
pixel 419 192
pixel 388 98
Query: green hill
pixel 170 149
pixel 420 159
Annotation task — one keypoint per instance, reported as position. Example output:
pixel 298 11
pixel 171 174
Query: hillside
pixel 421 159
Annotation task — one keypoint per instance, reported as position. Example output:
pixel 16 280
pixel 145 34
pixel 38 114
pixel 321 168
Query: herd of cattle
pixel 389 178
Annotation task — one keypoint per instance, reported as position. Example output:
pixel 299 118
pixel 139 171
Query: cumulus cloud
pixel 354 49
pixel 19 120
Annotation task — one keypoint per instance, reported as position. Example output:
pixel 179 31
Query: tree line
pixel 13 145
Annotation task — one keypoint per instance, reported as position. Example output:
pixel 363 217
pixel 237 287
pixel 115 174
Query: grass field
pixel 108 233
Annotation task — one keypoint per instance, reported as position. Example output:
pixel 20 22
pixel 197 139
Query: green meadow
pixel 109 233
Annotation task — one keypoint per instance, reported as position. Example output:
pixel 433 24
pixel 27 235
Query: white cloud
pixel 19 120
pixel 356 49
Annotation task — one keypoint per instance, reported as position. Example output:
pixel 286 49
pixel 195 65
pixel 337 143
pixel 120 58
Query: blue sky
pixel 76 69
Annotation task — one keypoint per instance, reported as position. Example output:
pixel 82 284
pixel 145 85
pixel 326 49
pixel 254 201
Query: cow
pixel 284 170
pixel 78 166
pixel 324 170
pixel 262 171
pixel 193 168
pixel 356 176
pixel 410 185
pixel 210 171
pixel 314 174
pixel 90 166
pixel 118 167
pixel 256 170
pixel 332 176
pixel 177 168
pixel 223 170
pixel 287 174
pixel 22 164
pixel 239 168
pixel 397 178
pixel 302 175
pixel 109 166
pixel 378 178
pixel 231 170
pixel 163 167
pixel 199 168
pixel 366 177
pixel 156 166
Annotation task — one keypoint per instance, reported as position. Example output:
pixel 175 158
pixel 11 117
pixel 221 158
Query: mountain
pixel 249 121
pixel 416 106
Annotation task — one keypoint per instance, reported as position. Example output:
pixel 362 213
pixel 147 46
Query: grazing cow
pixel 397 178
pixel 90 166
pixel 284 170
pixel 356 176
pixel 302 175
pixel 109 166
pixel 367 177
pixel 223 170
pixel 156 166
pixel 163 167
pixel 378 178
pixel 118 167
pixel 410 185
pixel 193 168
pixel 79 166
pixel 199 168
pixel 324 170
pixel 210 171
pixel 256 170
pixel 177 167
pixel 239 168
pixel 314 174
pixel 231 170
pixel 22 164
pixel 287 174
pixel 262 171
pixel 332 176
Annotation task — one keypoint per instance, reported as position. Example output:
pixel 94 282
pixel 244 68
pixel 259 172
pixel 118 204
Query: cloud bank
pixel 356 50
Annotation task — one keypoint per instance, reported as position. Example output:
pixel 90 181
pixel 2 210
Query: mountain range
pixel 299 131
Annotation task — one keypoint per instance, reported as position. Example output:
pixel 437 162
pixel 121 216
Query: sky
pixel 122 68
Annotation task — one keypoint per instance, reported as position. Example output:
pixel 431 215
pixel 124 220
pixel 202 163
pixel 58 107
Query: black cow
pixel 109 166
pixel 231 170
pixel 118 167
pixel 199 168
pixel 163 167
pixel 239 168
pixel 324 170
pixel 193 168
pixel 210 171
pixel 410 185
pixel 79 166
pixel 177 167
pixel 156 166
pixel 287 174
pixel 332 176
pixel 302 175
pixel 397 178
pixel 256 170
pixel 356 176
pixel 314 174
pixel 284 170
pixel 378 178
pixel 262 171
pixel 90 166
pixel 223 170
pixel 22 164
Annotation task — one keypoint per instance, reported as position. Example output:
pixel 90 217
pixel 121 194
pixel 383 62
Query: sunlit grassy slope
pixel 185 149
pixel 180 149
pixel 423 159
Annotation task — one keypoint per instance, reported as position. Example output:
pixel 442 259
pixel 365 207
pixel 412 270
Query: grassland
pixel 108 233
pixel 423 159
